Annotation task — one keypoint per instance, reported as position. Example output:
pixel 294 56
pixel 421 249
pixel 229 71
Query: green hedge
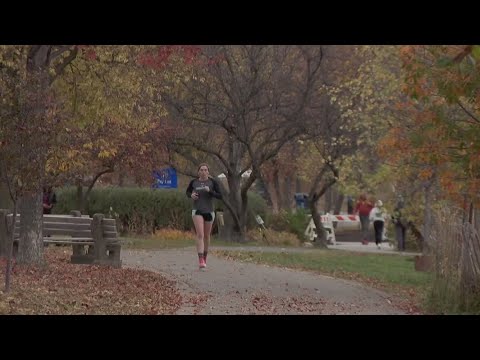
pixel 256 206
pixel 293 222
pixel 142 210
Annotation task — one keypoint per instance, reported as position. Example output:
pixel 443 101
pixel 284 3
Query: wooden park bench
pixel 93 240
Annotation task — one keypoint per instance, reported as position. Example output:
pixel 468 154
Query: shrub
pixel 143 210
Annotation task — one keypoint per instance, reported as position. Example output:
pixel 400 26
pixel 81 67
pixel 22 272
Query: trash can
pixel 301 200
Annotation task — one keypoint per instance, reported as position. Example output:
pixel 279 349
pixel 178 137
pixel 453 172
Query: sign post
pixel 165 179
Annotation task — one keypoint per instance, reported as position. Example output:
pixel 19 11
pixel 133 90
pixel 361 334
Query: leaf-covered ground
pixel 64 288
pixel 169 282
pixel 229 286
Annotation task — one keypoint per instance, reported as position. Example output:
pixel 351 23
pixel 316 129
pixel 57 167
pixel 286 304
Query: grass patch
pixel 388 272
pixel 388 269
pixel 171 239
pixel 446 297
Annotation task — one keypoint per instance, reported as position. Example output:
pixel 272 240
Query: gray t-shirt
pixel 204 203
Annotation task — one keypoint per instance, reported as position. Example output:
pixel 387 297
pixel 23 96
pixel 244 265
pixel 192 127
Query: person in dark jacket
pixel 49 199
pixel 363 209
pixel 400 225
pixel 202 190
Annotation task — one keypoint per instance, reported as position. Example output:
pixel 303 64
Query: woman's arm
pixel 215 192
pixel 189 189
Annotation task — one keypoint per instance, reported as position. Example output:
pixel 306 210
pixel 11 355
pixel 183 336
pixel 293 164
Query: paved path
pixel 233 287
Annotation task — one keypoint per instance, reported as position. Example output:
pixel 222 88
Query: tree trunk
pixel 338 206
pixel 313 198
pixel 328 200
pixel 11 239
pixel 30 247
pixel 237 232
pixel 471 213
pixel 476 219
pixel 4 231
pixel 288 202
pixel 276 187
pixel 232 231
pixel 262 189
pixel 338 203
pixel 298 185
pixel 30 250
pixel 121 175
pixel 417 234
pixel 270 188
pixel 321 235
pixel 34 111
pixel 468 279
pixel 427 219
pixel 80 200
pixel 243 218
pixel 5 201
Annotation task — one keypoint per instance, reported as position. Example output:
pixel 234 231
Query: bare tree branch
pixel 59 51
pixel 204 149
pixel 90 187
pixel 467 111
pixel 63 64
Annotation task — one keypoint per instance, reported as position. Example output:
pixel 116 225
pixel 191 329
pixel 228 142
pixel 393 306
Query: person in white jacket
pixel 378 216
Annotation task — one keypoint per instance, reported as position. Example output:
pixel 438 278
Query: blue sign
pixel 165 179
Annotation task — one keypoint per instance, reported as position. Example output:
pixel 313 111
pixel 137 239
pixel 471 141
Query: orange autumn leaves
pixel 437 132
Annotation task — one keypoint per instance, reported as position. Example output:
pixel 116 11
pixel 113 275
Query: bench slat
pixel 73 233
pixel 65 216
pixel 73 240
pixel 63 219
pixel 68 241
pixel 66 226
pixel 109 227
pixel 55 216
pixel 77 230
pixel 78 242
pixel 68 238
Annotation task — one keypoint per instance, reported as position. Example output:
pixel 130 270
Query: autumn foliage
pixel 65 288
pixel 439 134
